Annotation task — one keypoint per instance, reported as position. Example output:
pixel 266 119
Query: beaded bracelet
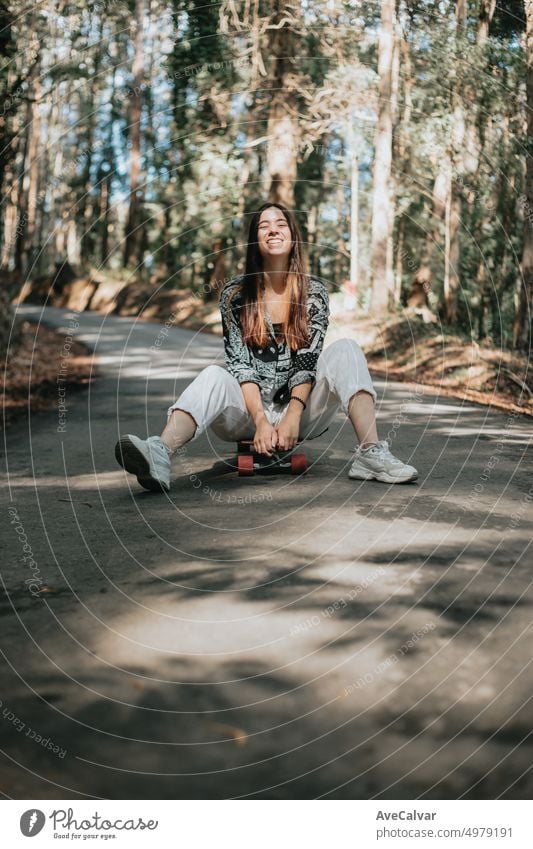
pixel 295 398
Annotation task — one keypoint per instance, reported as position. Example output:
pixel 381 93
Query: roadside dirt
pixel 404 348
pixel 34 367
pixel 409 350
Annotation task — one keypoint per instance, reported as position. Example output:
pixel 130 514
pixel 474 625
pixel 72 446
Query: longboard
pixel 249 461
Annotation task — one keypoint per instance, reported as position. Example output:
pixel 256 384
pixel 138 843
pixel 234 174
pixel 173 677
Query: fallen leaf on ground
pixel 237 734
pixel 75 501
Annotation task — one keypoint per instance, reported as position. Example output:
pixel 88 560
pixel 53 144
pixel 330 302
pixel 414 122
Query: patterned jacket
pixel 276 369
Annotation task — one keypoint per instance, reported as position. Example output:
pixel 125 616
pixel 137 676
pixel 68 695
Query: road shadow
pixel 278 637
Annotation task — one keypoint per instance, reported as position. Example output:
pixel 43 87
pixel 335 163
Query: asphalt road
pixel 274 637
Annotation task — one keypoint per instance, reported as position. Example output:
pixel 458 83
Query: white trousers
pixel 214 399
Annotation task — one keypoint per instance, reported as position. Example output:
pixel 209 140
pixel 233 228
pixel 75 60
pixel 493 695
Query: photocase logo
pixel 32 822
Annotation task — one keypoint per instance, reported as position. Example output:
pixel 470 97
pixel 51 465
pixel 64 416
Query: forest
pixel 136 136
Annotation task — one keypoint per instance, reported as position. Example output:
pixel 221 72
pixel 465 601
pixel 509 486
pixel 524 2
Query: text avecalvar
pixel 405 815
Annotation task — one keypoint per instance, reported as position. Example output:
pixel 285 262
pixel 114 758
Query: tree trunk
pixel 132 247
pixel 42 223
pixel 398 273
pixel 395 85
pixel 403 154
pixel 312 252
pixel 452 220
pixel 28 186
pixel 250 167
pixel 105 208
pixel 486 13
pixel 382 273
pixel 85 206
pixel 523 321
pixel 10 80
pixel 105 178
pixel 481 280
pixel 452 251
pixel 282 129
pixel 341 252
pixel 354 221
pixel 9 233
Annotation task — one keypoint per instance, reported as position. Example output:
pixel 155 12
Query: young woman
pixel 278 384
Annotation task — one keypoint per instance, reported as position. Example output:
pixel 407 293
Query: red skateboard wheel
pixel 298 464
pixel 245 464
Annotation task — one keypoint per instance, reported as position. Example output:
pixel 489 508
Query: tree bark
pixel 382 272
pixel 453 212
pixel 250 167
pixel 28 186
pixel 133 242
pixel 341 253
pixel 86 206
pixel 486 13
pixel 395 86
pixel 354 222
pixel 282 129
pixel 523 325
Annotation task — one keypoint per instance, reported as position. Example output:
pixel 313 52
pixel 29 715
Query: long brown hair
pixel 252 314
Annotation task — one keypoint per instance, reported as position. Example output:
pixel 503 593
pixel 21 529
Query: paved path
pixel 276 637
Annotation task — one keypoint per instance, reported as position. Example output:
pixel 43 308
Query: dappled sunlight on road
pixel 303 635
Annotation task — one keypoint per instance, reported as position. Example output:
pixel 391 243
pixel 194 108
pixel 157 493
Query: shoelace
pixel 158 449
pixel 383 448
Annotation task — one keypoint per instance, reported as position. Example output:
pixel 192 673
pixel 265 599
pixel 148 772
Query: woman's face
pixel 274 234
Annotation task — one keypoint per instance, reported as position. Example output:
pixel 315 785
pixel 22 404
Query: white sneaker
pixel 147 459
pixel 377 463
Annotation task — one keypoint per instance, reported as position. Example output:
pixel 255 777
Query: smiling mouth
pixel 274 241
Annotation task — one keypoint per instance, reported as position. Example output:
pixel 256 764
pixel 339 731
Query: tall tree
pixel 453 204
pixel 86 205
pixel 382 272
pixel 29 174
pixel 134 237
pixel 523 324
pixel 283 128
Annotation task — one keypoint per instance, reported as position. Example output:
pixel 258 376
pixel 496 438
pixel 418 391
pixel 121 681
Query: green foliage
pixel 206 103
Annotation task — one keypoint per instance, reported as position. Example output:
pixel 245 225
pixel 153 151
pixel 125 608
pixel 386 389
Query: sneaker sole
pixel 134 462
pixel 382 477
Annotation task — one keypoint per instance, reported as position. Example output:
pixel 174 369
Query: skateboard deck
pixel 249 461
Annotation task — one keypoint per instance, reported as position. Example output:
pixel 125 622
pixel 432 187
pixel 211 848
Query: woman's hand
pixel 265 438
pixel 289 430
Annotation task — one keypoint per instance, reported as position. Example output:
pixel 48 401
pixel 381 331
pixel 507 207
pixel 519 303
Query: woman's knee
pixel 344 349
pixel 217 385
pixel 214 374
